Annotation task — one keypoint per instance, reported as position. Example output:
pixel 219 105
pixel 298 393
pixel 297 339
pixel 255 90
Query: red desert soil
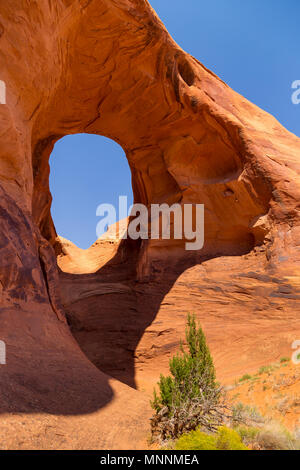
pixel 87 342
pixel 274 391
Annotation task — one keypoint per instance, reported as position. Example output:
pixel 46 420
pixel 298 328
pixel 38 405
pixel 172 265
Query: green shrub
pixel 248 434
pixel 196 440
pixel 245 414
pixel 189 398
pixel 229 439
pixel 245 377
pixel 284 359
pixel 268 369
pixel 224 439
pixel 269 440
pixel 274 436
pixel 186 368
pixel 270 436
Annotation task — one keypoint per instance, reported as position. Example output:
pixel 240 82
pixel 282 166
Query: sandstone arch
pixel 111 68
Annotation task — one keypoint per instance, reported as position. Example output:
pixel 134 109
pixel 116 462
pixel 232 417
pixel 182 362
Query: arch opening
pixel 86 170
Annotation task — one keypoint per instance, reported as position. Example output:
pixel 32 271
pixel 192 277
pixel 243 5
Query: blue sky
pixel 251 44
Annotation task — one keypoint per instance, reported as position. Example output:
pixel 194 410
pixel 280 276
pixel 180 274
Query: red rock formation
pixel 109 67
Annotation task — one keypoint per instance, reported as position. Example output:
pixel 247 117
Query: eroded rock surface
pixel 109 67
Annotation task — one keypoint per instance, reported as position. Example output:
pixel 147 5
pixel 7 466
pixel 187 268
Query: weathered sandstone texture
pixel 109 67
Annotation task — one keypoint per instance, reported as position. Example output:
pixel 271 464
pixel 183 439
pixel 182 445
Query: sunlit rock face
pixel 109 67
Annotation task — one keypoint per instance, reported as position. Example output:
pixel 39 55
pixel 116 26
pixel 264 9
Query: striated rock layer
pixel 109 67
